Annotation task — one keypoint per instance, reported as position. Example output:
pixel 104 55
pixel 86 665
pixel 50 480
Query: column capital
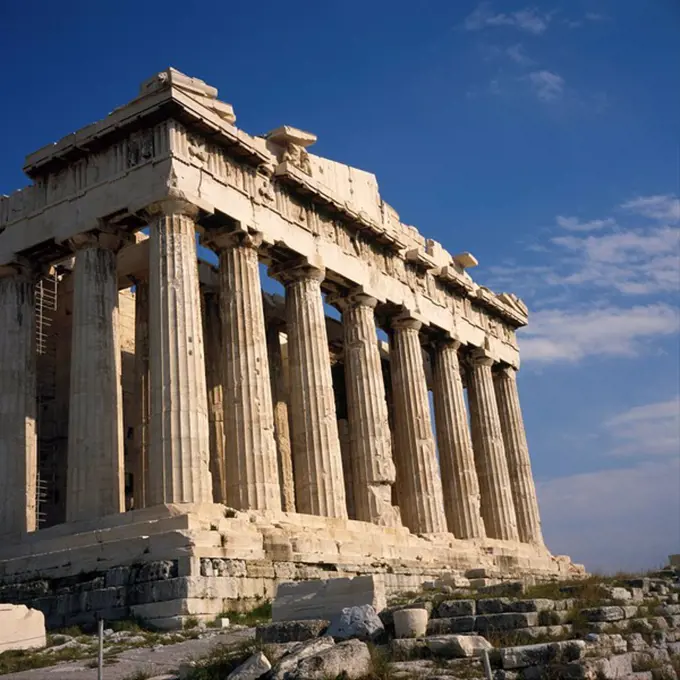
pixel 172 206
pixel 481 357
pixel 506 370
pixel 20 267
pixel 404 321
pixel 297 270
pixel 356 297
pixel 448 342
pixel 107 239
pixel 224 238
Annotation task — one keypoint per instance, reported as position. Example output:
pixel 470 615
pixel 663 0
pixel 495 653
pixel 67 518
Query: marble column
pixel 456 457
pixel 212 334
pixel 95 483
pixel 18 442
pixel 179 446
pixel 280 399
pixel 498 510
pixel 419 486
pixel 140 469
pixel 517 454
pixel 251 457
pixel 319 483
pixel 373 471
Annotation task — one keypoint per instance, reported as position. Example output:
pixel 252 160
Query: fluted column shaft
pixel 280 400
pixel 251 465
pixel 498 510
pixel 319 483
pixel 95 485
pixel 456 457
pixel 179 446
pixel 373 471
pixel 140 469
pixel 517 454
pixel 212 334
pixel 419 486
pixel 18 443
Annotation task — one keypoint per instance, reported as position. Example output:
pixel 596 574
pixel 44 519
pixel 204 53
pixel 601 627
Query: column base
pixel 168 563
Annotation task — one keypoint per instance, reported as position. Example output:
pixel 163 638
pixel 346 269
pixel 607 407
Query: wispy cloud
pixel 663 207
pixel 547 86
pixel 529 19
pixel 572 334
pixel 517 54
pixel 607 508
pixel 647 430
pixel 574 224
pixel 637 257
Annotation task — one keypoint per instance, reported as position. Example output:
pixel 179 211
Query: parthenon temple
pixel 175 441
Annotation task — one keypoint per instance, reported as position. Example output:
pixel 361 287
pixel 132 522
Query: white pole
pixel 486 663
pixel 100 666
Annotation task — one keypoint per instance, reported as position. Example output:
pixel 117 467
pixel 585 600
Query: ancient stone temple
pixel 174 443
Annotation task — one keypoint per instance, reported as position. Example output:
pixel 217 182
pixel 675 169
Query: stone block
pixel 456 624
pixel 451 608
pixel 457 646
pixel 350 659
pixel 252 669
pixel 535 605
pixel 542 654
pixel 617 593
pixel 497 605
pixel 410 623
pixel 504 589
pixel 324 599
pixel 509 621
pixel 21 628
pixel 403 648
pixel 603 614
pixel 291 631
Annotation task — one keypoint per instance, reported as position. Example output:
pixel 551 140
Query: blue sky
pixel 541 137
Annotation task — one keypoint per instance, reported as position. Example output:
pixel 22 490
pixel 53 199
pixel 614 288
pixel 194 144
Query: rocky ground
pixel 622 627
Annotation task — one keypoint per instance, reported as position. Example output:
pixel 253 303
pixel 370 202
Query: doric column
pixel 18 443
pixel 212 333
pixel 373 471
pixel 95 485
pixel 517 453
pixel 419 486
pixel 251 465
pixel 140 469
pixel 317 460
pixel 179 446
pixel 498 511
pixel 280 398
pixel 456 457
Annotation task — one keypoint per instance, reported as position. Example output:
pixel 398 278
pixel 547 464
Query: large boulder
pixel 361 623
pixel 287 666
pixel 322 599
pixel 350 660
pixel 21 627
pixel 252 669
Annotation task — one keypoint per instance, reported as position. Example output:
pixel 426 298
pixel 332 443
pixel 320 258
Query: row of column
pixel 481 485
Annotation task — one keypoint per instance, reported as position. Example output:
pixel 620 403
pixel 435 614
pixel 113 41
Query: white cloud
pixel 528 19
pixel 626 519
pixel 569 335
pixel 651 429
pixel 547 86
pixel 574 224
pixel 518 55
pixel 663 207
